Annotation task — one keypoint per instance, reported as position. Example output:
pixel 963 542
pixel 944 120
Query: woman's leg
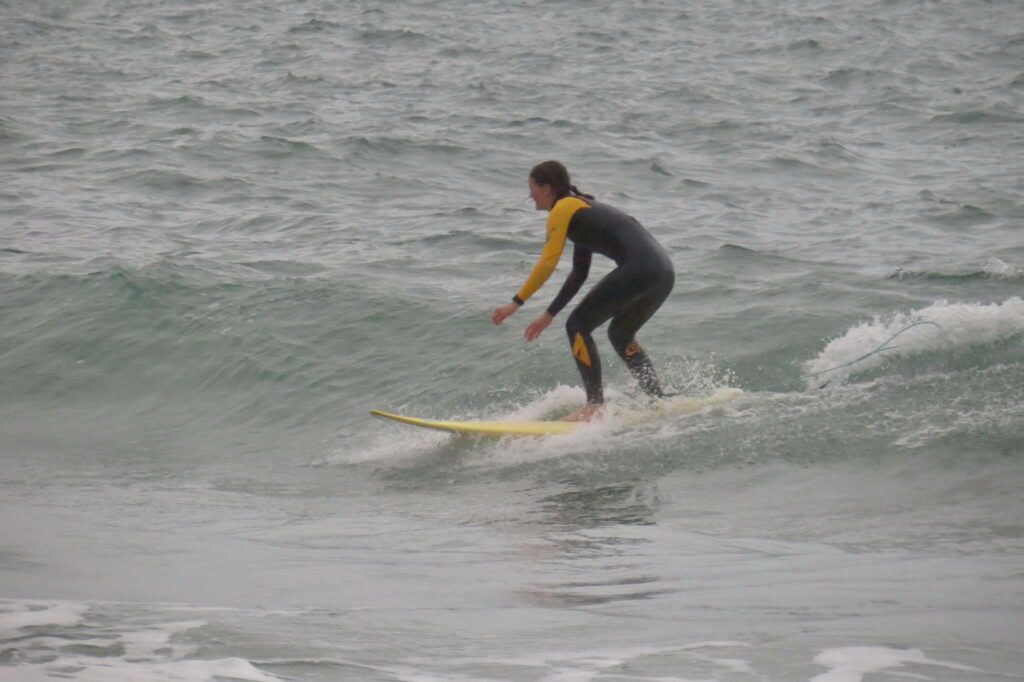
pixel 596 308
pixel 622 333
pixel 628 299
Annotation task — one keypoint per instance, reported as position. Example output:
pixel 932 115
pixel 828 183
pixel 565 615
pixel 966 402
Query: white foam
pixel 144 643
pixel 851 664
pixel 18 615
pixel 147 653
pixel 1000 269
pixel 557 399
pixel 398 445
pixel 623 417
pixel 395 443
pixel 588 666
pixel 86 669
pixel 956 325
pixel 711 644
pixel 993 268
pixel 516 451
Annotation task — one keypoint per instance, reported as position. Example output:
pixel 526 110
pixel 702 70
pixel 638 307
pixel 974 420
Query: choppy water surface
pixel 226 232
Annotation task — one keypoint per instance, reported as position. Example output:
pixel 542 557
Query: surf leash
pixel 882 348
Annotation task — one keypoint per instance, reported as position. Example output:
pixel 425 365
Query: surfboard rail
pixel 676 405
pixel 491 428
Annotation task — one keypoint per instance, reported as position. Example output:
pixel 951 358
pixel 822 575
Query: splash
pixel 942 326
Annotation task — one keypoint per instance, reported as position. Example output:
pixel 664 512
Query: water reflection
pixel 594 507
pixel 594 549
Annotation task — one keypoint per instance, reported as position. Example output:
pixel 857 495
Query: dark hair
pixel 555 174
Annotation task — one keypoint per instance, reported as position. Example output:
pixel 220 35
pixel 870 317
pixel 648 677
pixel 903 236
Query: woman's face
pixel 543 196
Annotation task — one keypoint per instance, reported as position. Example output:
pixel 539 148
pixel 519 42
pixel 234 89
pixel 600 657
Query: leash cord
pixel 882 348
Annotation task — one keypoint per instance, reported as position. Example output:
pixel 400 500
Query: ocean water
pixel 228 230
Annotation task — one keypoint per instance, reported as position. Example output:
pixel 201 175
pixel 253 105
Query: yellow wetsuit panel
pixel 558 228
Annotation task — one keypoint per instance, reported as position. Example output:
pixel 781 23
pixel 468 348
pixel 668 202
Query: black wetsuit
pixel 627 296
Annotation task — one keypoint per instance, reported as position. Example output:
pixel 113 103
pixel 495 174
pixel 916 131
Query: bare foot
pixel 585 413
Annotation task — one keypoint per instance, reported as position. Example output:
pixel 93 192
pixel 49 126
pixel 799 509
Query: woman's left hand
pixel 539 325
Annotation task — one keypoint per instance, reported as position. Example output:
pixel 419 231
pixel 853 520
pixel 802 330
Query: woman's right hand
pixel 502 313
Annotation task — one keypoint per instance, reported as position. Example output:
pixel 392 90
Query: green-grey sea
pixel 228 230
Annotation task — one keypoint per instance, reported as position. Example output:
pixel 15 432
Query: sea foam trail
pixel 852 664
pixel 992 269
pixel 15 616
pixel 44 638
pixel 940 326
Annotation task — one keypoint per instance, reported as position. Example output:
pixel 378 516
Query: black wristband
pixel 518 301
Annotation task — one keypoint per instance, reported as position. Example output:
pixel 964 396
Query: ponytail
pixel 556 175
pixel 577 193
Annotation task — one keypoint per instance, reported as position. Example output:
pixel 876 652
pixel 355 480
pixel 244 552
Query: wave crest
pixel 951 326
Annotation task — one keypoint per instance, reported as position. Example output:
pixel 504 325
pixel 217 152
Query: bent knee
pixel 620 341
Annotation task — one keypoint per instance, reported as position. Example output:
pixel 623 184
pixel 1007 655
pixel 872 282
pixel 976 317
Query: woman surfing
pixel 628 295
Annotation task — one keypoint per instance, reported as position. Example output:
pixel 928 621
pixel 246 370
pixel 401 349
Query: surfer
pixel 627 296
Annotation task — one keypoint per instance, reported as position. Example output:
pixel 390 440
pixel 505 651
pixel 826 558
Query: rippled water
pixel 227 232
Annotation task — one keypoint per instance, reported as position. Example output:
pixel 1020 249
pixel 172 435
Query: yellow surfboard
pixel 504 428
pixel 668 407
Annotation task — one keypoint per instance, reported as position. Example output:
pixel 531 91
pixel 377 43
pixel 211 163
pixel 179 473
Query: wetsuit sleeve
pixel 558 229
pixel 581 258
pixel 545 265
